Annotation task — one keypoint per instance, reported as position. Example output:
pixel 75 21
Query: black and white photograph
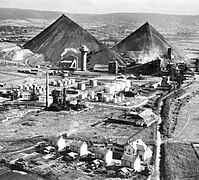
pixel 99 90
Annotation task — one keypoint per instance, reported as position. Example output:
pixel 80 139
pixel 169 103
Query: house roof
pixel 148 116
pixel 138 144
pixel 129 158
pixel 146 41
pixel 77 143
pixel 101 150
pixel 65 33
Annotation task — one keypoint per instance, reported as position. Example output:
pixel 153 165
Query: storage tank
pixel 93 82
pixel 128 83
pixel 82 96
pixel 110 89
pixel 27 88
pixel 82 86
pixel 54 83
pixel 122 97
pixel 72 81
pixel 126 89
pixel 19 87
pixel 40 91
pixel 115 100
pixel 96 98
pixel 111 97
pixel 117 87
pixel 106 98
pixel 119 99
pixel 122 85
pixel 69 81
pixel 92 94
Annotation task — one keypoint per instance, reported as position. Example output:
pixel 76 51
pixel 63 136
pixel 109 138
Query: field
pixel 179 160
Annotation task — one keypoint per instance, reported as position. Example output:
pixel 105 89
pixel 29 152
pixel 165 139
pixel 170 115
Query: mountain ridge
pixel 23 14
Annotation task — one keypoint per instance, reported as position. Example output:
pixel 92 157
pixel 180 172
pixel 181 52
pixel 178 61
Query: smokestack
pixel 47 89
pixel 64 94
pixel 84 50
pixel 169 52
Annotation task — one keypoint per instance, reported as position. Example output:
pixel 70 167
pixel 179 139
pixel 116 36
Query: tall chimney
pixel 64 94
pixel 84 50
pixel 47 89
pixel 169 52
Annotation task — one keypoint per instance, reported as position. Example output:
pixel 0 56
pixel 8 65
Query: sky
pixel 188 7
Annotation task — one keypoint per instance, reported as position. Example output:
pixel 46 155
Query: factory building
pixel 69 63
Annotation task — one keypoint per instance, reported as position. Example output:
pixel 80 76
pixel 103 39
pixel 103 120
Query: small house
pixel 61 143
pixel 138 148
pixel 79 147
pixel 105 154
pixel 131 161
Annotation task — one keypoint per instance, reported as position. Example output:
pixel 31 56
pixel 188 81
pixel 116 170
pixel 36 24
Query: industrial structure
pixel 65 33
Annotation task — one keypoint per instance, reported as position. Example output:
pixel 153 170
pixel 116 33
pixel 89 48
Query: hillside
pixel 112 18
pixel 66 34
pixel 146 43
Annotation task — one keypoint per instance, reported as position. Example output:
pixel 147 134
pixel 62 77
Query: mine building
pixel 145 51
pixel 69 63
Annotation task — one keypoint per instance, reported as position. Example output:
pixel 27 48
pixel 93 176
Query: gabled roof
pixel 147 42
pixel 65 33
pixel 101 150
pixel 129 158
pixel 138 144
pixel 77 143
pixel 148 116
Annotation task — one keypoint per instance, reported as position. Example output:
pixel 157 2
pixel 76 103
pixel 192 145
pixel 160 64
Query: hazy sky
pixel 108 6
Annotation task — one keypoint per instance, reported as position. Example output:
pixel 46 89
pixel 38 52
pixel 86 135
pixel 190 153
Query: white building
pixel 61 143
pixel 79 147
pixel 105 154
pixel 131 161
pixel 138 148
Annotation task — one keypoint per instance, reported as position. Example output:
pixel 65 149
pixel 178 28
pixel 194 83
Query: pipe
pixel 47 89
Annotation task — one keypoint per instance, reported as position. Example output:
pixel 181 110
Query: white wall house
pixel 138 148
pixel 105 154
pixel 79 147
pixel 131 161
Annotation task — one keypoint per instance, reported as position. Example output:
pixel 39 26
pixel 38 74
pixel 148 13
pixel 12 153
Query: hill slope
pixel 65 33
pixel 160 19
pixel 146 43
